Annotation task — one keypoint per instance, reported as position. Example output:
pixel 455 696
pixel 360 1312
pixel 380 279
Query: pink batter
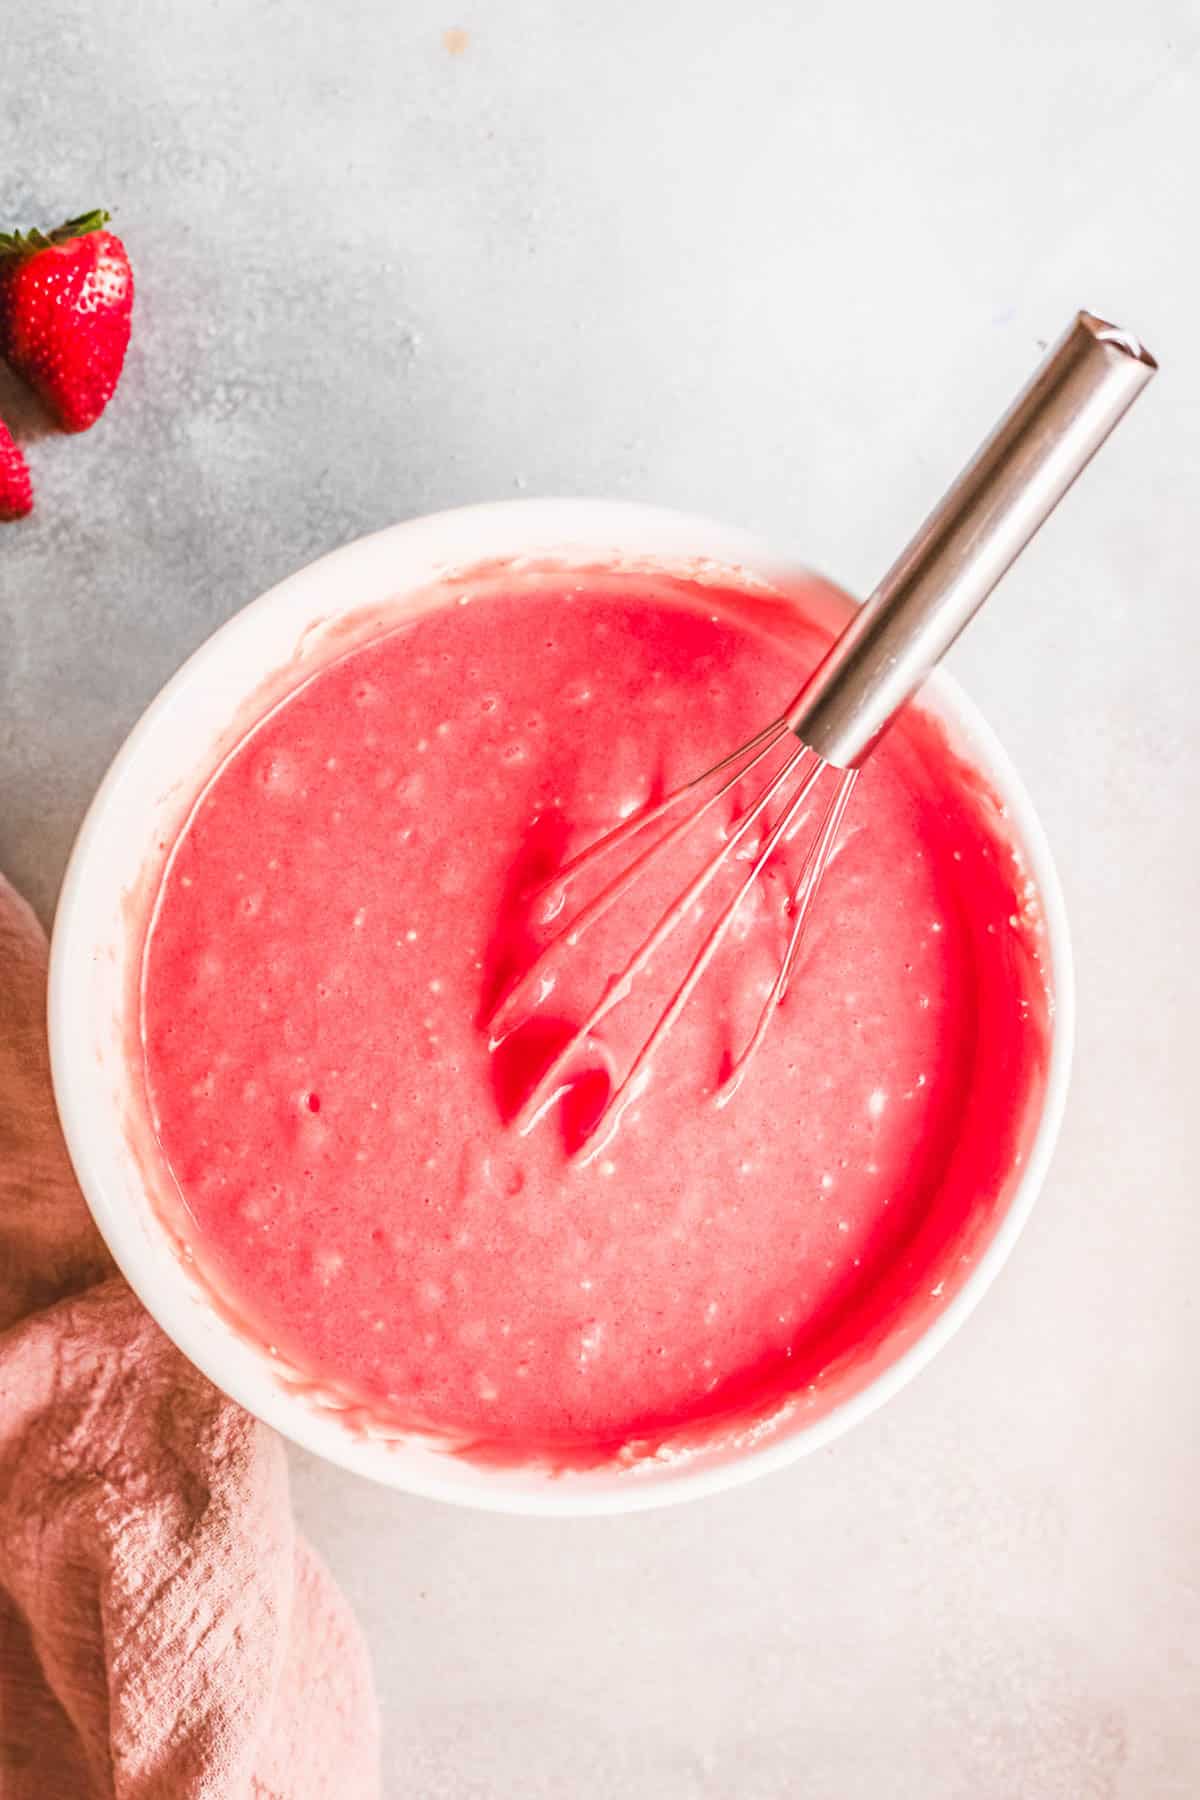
pixel 347 903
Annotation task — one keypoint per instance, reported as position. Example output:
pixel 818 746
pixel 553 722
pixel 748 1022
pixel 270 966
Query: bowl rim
pixel 544 527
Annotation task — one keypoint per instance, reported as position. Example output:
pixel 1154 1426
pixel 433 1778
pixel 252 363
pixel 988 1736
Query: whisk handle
pixel 1050 433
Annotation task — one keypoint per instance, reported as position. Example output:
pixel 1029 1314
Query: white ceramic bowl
pixel 92 978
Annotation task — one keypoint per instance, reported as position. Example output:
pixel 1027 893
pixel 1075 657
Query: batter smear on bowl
pixel 348 901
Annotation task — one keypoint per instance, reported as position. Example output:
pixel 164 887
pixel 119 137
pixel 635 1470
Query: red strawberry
pixel 65 301
pixel 16 489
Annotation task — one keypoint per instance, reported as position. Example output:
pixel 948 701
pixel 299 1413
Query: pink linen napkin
pixel 164 1632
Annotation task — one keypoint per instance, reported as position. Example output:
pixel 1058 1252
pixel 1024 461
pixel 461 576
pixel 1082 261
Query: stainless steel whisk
pixel 1083 387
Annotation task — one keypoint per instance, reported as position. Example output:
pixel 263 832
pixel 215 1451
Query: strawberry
pixel 16 489
pixel 65 301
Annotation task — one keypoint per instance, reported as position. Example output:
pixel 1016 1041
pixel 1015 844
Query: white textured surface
pixel 781 263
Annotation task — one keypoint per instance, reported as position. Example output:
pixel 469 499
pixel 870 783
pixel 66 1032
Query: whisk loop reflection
pixel 754 836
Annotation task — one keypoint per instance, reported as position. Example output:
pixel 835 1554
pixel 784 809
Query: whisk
pixel 1076 397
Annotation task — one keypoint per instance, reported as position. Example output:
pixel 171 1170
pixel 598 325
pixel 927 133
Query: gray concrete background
pixel 781 263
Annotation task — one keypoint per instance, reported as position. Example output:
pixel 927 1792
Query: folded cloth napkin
pixel 164 1632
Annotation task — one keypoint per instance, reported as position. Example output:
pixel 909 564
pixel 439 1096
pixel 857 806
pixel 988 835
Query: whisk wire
pixel 763 742
pixel 535 985
pixel 800 906
pixel 546 1090
pixel 635 1080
